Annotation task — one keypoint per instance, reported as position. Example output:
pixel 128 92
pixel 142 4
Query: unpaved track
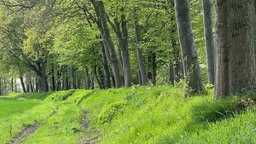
pixel 29 130
pixel 84 128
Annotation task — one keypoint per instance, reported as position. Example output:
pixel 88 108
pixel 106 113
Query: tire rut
pixel 30 129
pixel 89 137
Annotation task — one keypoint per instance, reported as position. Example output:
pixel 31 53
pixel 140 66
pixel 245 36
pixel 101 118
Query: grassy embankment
pixel 127 115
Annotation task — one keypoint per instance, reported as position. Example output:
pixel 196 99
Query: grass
pixel 128 115
pixel 17 106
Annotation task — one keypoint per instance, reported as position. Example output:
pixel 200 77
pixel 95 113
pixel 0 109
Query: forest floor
pixel 152 114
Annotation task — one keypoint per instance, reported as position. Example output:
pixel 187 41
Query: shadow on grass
pixel 208 112
pixel 87 95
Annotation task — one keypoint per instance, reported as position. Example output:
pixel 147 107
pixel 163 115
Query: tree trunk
pixel 189 57
pixel 235 57
pixel 43 79
pixel 107 40
pixel 12 85
pixel 73 77
pixel 22 83
pixel 209 39
pixel 152 67
pixel 58 86
pixel 170 76
pixel 143 73
pixel 122 36
pixel 53 78
pixel 106 73
pixel 88 80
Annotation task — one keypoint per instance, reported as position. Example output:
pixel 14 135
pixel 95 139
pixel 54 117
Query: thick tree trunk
pixel 189 57
pixel 22 84
pixel 107 40
pixel 106 73
pixel 140 58
pixel 122 35
pixel 235 56
pixel 43 79
pixel 209 39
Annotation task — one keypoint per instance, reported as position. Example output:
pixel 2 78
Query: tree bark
pixel 140 59
pixel 88 80
pixel 73 77
pixel 235 56
pixel 122 35
pixel 189 57
pixel 152 67
pixel 22 83
pixel 209 40
pixel 106 73
pixel 170 76
pixel 107 40
pixel 53 78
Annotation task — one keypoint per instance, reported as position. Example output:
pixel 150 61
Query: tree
pixel 119 25
pixel 107 40
pixel 209 39
pixel 189 57
pixel 235 56
pixel 141 63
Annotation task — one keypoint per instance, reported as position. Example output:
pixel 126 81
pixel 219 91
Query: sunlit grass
pixel 9 106
pixel 140 114
pixel 12 124
pixel 61 128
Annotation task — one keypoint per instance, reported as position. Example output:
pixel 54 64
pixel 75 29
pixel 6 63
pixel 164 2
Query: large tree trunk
pixel 22 84
pixel 175 73
pixel 209 40
pixel 122 35
pixel 106 73
pixel 189 57
pixel 43 78
pixel 140 58
pixel 235 57
pixel 107 40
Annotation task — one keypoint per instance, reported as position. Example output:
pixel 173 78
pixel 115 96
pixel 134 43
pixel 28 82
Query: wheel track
pixel 29 130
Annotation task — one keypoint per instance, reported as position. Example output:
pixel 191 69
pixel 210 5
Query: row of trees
pixel 53 45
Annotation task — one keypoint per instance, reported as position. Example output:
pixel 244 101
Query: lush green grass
pixel 9 106
pixel 129 115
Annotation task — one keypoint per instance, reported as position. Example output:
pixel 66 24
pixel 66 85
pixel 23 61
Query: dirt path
pixel 29 130
pixel 89 137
